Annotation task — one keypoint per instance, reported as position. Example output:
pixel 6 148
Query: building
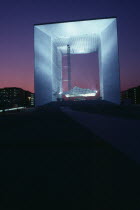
pixel 54 40
pixel 28 99
pixel 131 96
pixel 12 97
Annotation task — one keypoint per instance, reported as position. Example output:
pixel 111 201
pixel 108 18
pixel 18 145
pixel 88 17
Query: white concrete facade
pixel 50 43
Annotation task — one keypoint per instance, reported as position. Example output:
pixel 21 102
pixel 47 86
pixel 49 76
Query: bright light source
pixel 10 109
pixel 83 95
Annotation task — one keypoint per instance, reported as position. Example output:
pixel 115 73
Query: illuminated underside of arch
pixel 50 44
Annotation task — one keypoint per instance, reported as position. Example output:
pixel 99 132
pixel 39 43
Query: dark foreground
pixel 48 161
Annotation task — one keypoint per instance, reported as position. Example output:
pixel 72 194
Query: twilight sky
pixel 16 36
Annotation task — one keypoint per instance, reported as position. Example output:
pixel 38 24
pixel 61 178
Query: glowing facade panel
pixel 51 40
pixel 43 67
pixel 109 65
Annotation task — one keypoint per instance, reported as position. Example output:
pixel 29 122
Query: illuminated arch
pixel 50 43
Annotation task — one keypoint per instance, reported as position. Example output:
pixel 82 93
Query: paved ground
pixel 48 161
pixel 122 133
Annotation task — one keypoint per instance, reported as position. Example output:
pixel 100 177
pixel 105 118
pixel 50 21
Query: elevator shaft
pixel 69 67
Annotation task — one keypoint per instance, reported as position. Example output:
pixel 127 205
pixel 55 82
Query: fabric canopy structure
pixel 50 44
pixel 76 91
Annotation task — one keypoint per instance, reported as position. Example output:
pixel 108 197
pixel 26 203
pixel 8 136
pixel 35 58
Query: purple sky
pixel 16 35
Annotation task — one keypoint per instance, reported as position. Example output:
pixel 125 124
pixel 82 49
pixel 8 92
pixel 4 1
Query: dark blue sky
pixel 16 34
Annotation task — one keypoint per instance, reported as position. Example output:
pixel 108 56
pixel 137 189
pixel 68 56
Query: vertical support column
pixel 109 64
pixel 69 67
pixel 43 67
pixel 56 72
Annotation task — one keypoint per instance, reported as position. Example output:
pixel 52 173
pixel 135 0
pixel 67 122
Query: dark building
pixel 28 99
pixel 131 96
pixel 12 97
